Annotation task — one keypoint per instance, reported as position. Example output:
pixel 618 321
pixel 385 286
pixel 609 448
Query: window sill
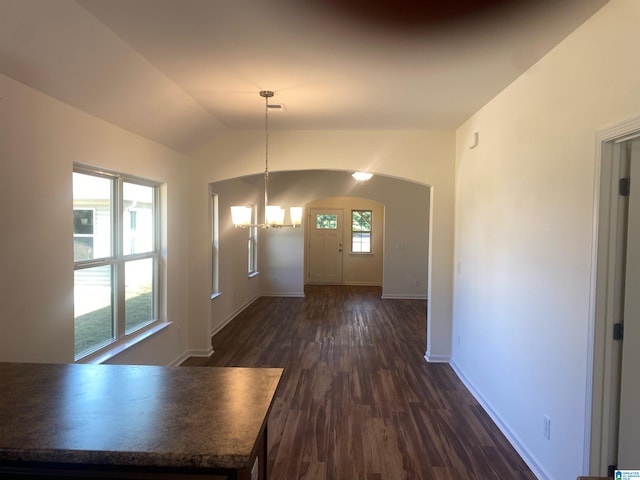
pixel 254 274
pixel 120 346
pixel 361 254
pixel 215 295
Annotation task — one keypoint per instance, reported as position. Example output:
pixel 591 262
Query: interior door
pixel 629 431
pixel 325 246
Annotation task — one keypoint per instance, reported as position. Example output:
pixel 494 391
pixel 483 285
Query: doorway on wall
pixel 325 245
pixel 615 425
pixel 345 241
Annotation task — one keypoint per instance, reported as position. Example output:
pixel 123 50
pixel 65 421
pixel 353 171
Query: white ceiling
pixel 181 71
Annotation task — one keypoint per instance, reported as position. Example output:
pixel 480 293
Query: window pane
pixel 93 309
pixel 324 221
pixel 361 220
pixel 138 294
pixel 91 217
pixel 137 218
pixel 215 243
pixel 361 242
pixel 117 297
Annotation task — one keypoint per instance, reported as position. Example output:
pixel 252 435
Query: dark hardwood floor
pixel 357 400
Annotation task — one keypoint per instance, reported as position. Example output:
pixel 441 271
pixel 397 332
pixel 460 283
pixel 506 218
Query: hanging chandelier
pixel 274 215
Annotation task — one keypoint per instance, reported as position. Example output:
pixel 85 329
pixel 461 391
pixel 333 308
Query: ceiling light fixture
pixel 362 177
pixel 273 214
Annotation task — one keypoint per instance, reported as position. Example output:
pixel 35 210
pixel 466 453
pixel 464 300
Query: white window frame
pixel 370 232
pixel 215 245
pixel 118 261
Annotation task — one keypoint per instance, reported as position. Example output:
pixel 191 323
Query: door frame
pixel 307 241
pixel 603 361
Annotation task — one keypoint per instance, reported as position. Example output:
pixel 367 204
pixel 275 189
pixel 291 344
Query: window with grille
pixel 361 231
pixel 116 254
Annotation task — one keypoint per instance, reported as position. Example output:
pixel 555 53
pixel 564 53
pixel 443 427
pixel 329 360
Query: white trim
pixel 430 271
pixel 180 359
pixel 194 353
pixel 437 358
pixel 513 439
pixel 625 130
pixel 284 294
pixel 246 305
pixel 597 399
pixel 176 362
pixel 123 344
pixel 233 315
pixel 403 296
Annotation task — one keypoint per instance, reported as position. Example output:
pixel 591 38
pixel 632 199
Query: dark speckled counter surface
pixel 139 416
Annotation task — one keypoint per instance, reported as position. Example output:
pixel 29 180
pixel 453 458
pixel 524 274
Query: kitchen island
pixel 124 421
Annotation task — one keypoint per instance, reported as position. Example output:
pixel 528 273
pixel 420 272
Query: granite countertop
pixel 184 417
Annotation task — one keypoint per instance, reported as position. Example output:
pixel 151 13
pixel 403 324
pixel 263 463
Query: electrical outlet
pixel 546 427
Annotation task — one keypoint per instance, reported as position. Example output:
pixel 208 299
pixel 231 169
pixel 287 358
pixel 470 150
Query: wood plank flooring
pixel 357 400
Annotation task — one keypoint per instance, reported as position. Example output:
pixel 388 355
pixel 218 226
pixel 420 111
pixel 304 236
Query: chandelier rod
pixel 266 94
pixel 241 214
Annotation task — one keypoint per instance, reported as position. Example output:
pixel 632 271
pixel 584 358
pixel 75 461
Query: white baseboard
pixel 513 439
pixel 284 294
pixel 437 358
pixel 403 296
pixel 243 307
pixel 230 317
pixel 176 362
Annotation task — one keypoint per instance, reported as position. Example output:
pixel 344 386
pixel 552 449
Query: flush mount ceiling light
pixel 273 214
pixel 362 177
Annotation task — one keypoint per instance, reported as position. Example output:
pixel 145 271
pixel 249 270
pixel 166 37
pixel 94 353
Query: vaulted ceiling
pixel 182 71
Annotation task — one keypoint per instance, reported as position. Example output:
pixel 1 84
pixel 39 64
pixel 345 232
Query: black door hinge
pixel 624 186
pixel 618 331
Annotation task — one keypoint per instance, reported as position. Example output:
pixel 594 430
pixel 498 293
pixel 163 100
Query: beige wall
pixel 523 223
pixel 281 251
pixel 406 227
pixel 525 230
pixel 237 289
pixel 426 157
pixel 40 139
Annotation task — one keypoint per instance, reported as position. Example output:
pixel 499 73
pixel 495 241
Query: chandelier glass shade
pixel 274 215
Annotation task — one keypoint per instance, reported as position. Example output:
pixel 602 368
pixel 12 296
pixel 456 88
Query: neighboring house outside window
pixel 361 231
pixel 116 256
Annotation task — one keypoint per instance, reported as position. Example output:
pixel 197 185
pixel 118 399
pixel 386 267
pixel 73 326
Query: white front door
pixel 325 245
pixel 629 432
